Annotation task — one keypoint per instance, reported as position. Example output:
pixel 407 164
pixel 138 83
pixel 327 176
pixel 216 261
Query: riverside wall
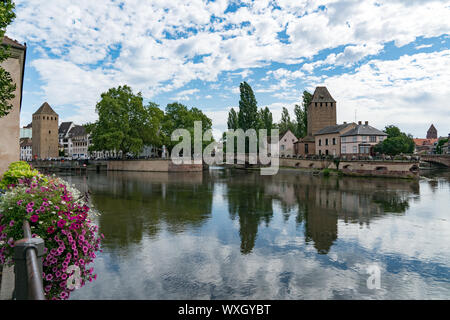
pixel 152 166
pixel 375 168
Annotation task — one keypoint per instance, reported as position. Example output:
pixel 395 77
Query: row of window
pixel 323 103
pixel 364 139
pixel 326 142
pixel 362 149
pixel 45 118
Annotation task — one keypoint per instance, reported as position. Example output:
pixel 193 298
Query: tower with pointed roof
pixel 432 133
pixel 45 133
pixel 321 114
pixel 321 111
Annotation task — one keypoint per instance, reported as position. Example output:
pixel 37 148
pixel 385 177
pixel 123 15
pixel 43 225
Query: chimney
pixel 367 123
pixel 359 122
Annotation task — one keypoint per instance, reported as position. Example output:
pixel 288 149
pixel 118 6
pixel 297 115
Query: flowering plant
pixel 58 214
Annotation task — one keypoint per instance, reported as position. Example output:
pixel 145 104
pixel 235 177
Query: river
pixel 231 234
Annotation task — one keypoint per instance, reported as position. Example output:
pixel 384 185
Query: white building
pixel 74 140
pixel 361 139
pixel 26 149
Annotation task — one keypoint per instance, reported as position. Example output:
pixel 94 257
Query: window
pixel 373 139
pixel 364 138
pixel 354 139
pixel 355 149
pixel 326 142
pixel 343 139
pixel 320 152
pixel 344 149
pixel 282 147
pixel 326 152
pixel 320 142
pixel 334 141
pixel 306 148
pixel 364 149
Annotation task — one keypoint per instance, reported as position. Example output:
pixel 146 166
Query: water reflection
pixel 319 203
pixel 228 234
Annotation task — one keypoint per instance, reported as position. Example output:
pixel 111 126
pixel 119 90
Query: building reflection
pixel 321 202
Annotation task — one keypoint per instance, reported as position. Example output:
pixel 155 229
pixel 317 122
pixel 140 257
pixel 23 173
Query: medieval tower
pixel 321 111
pixel 432 133
pixel 45 133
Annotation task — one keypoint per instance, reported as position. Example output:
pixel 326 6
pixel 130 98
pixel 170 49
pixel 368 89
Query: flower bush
pixel 18 170
pixel 58 214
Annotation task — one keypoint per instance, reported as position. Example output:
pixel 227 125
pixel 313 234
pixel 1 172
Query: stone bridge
pixel 443 159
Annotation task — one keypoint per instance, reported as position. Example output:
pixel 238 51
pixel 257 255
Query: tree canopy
pixel 7 86
pixel 179 116
pixel 124 123
pixel 396 142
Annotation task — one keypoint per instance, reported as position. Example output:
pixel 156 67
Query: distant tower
pixel 321 111
pixel 432 133
pixel 45 133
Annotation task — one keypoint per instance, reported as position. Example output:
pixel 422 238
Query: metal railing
pixel 28 254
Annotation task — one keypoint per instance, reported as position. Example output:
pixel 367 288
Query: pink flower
pixel 61 223
pixel 11 223
pixel 50 229
pixel 29 209
pixel 34 218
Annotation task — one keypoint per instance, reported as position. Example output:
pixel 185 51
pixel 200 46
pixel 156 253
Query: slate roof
pixel 364 130
pixel 13 43
pixel 77 131
pixel 321 94
pixel 64 127
pixel 333 129
pixel 45 109
pixel 26 142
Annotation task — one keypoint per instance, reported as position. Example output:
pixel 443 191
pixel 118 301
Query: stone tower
pixel 45 133
pixel 321 111
pixel 432 133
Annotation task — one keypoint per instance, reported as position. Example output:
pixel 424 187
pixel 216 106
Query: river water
pixel 232 234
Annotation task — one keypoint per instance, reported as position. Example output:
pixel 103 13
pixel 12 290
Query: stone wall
pixel 10 124
pixel 401 169
pixel 152 166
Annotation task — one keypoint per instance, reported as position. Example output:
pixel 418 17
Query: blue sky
pixel 387 62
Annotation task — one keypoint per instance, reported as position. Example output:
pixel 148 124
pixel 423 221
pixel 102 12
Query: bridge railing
pixel 28 254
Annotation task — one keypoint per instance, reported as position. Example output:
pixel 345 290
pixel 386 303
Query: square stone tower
pixel 321 111
pixel 45 133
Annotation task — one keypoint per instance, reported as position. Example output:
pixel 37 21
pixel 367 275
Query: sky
pixel 383 61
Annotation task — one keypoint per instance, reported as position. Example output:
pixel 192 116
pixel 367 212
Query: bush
pixel 61 217
pixel 326 172
pixel 17 170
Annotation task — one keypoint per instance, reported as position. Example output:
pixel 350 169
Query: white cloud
pixel 411 92
pixel 160 46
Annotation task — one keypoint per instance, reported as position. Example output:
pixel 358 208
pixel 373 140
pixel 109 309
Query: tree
pixel 248 109
pixel 440 145
pixel 285 122
pixel 179 116
pixel 396 142
pixel 301 115
pixel 232 120
pixel 265 119
pixel 124 123
pixel 7 86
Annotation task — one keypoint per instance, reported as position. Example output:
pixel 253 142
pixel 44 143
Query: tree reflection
pixel 136 204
